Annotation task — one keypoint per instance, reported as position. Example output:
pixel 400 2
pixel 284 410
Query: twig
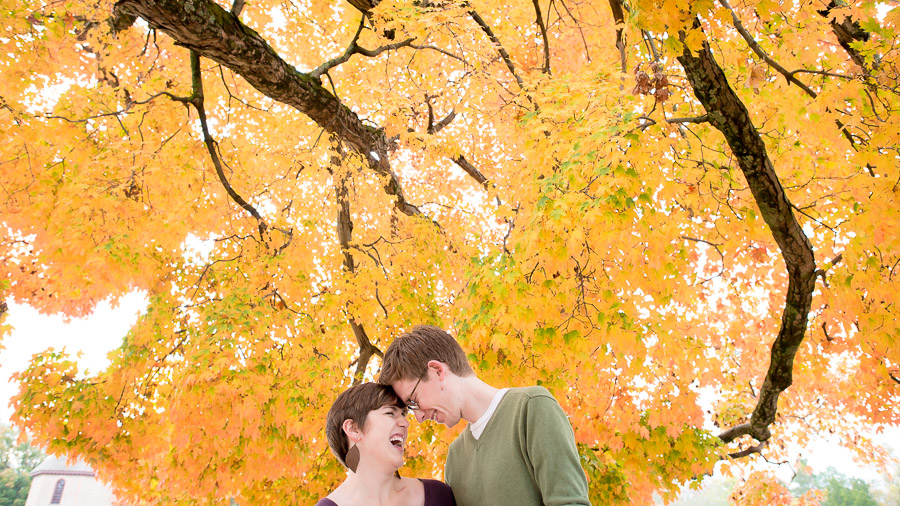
pixel 439 50
pixel 648 40
pixel 762 54
pixel 587 53
pixel 719 251
pixel 127 108
pixel 821 73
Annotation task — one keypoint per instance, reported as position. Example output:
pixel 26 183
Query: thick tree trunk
pixel 214 33
pixel 728 114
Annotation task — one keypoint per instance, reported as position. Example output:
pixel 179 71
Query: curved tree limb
pixel 197 101
pixel 735 432
pixel 728 114
pixel 214 33
pixel 749 451
pixel 433 127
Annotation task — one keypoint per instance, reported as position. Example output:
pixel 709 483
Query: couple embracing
pixel 518 448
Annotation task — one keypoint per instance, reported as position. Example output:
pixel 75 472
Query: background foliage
pixel 17 460
pixel 676 216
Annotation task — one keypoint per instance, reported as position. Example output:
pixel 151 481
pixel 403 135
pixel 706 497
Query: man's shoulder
pixel 527 393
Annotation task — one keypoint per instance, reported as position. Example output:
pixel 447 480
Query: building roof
pixel 62 466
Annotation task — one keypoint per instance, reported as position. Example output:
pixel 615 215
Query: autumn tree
pixel 639 205
pixel 17 460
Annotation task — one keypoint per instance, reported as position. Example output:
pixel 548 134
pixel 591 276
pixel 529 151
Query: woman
pixel 367 428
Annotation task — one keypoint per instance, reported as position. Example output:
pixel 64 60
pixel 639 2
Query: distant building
pixel 58 482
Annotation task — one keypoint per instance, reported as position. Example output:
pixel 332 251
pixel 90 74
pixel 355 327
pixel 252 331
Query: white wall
pixel 79 490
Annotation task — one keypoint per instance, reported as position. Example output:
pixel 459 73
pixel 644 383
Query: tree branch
pixel 345 234
pixel 433 127
pixel 214 33
pixel 749 451
pixel 471 170
pixel 699 119
pixel 496 41
pixel 197 102
pixel 540 22
pixel 619 17
pixel 353 49
pixel 236 7
pixel 847 32
pixel 735 432
pixel 439 50
pixel 729 115
pixel 762 54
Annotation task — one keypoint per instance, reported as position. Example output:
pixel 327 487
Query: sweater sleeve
pixel 553 454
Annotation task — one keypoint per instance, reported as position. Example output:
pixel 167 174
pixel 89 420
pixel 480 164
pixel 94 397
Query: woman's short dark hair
pixel 355 403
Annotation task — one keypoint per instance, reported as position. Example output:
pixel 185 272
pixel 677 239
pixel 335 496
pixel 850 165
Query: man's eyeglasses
pixel 410 403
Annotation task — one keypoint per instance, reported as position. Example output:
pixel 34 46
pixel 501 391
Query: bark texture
pixel 217 34
pixel 728 114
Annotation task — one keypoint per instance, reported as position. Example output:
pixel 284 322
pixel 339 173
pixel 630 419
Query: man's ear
pixel 351 430
pixel 440 369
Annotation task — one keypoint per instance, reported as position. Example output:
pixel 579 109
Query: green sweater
pixel 526 456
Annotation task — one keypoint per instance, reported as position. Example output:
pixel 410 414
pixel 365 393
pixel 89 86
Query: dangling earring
pixel 352 458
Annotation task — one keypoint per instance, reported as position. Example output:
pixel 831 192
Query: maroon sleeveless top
pixel 437 493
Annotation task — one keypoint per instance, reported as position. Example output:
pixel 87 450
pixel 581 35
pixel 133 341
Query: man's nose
pixel 420 415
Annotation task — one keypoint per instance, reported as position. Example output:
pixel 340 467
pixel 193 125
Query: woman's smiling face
pixel 383 438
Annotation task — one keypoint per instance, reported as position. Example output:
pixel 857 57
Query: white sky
pixel 94 336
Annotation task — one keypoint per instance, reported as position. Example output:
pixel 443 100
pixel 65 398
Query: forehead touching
pixel 395 405
pixel 408 355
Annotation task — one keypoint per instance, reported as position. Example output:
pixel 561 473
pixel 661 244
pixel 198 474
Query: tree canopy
pixel 672 214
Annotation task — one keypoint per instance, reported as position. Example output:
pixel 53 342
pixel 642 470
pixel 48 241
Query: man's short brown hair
pixel 355 403
pixel 408 356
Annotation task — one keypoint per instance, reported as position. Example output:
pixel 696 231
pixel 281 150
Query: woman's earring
pixel 352 458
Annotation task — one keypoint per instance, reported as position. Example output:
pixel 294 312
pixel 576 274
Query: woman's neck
pixel 369 486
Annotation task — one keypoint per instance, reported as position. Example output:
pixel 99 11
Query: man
pixel 518 448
